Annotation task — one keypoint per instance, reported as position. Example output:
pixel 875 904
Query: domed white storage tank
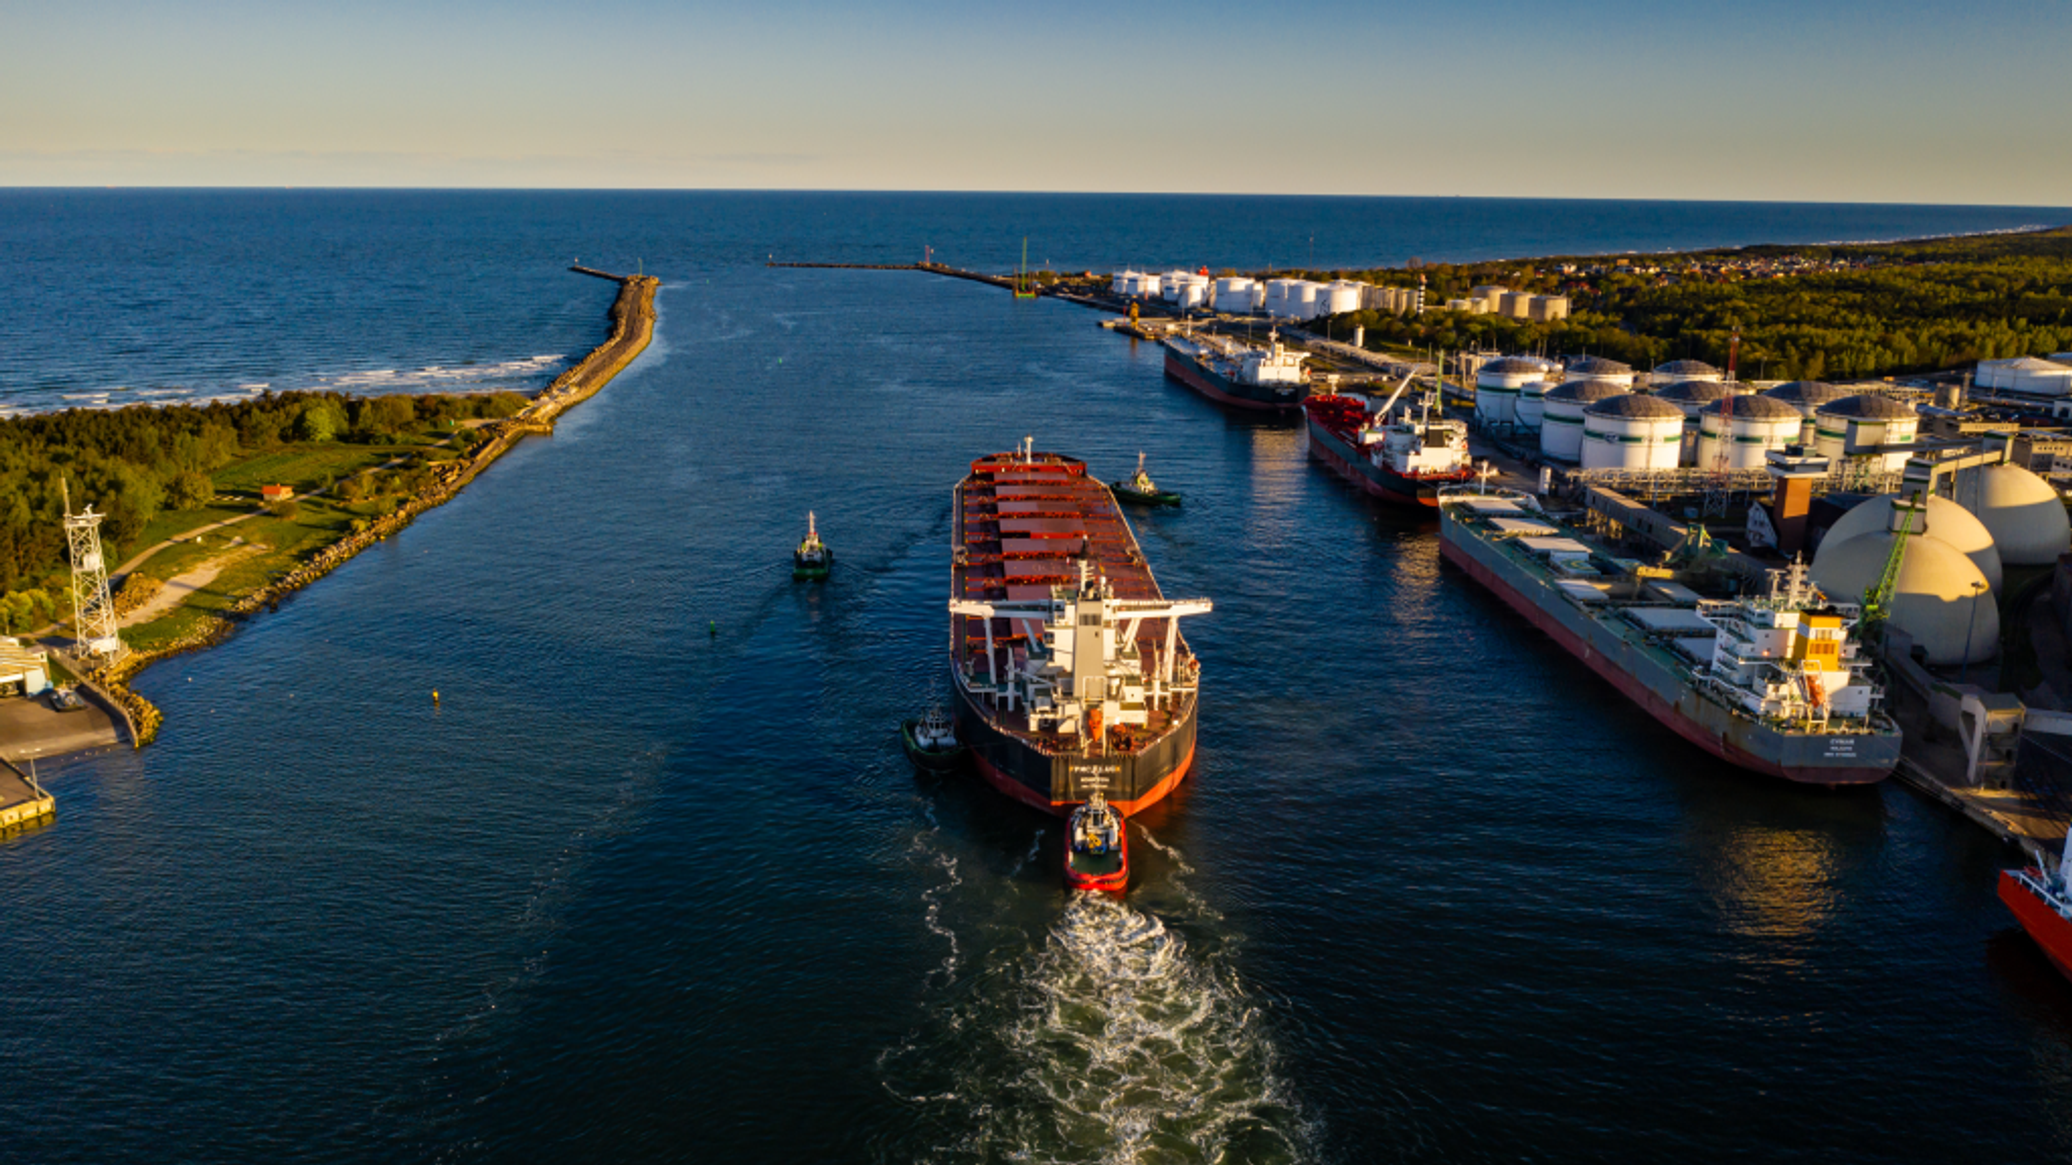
pixel 1184 290
pixel 1630 431
pixel 1532 401
pixel 1136 285
pixel 1497 385
pixel 1691 395
pixel 2025 374
pixel 1280 296
pixel 1946 522
pixel 2021 511
pixel 1941 599
pixel 1341 296
pixel 1598 368
pixel 1169 285
pixel 1687 370
pixel 1806 396
pixel 1756 425
pixel 1561 422
pixel 1853 425
pixel 1236 295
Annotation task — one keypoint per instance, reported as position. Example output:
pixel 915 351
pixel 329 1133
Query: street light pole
pixel 1978 588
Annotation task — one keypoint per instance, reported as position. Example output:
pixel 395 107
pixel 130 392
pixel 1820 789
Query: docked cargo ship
pixel 1403 455
pixel 2042 903
pixel 1071 675
pixel 1250 377
pixel 1774 682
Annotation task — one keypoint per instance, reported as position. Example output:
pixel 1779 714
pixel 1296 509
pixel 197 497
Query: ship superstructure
pixel 1399 452
pixel 1071 674
pixel 1773 681
pixel 1240 374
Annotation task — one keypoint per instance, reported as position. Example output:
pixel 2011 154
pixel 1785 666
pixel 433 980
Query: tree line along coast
pixel 1801 312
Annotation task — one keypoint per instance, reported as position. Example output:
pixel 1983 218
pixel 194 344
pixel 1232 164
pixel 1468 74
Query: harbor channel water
pixel 652 881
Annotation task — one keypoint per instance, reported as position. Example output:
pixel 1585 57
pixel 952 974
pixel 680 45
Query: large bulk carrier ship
pixel 1071 675
pixel 1269 378
pixel 1773 682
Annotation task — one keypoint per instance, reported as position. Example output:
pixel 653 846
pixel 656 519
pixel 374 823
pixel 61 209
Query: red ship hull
pixel 1339 451
pixel 1642 695
pixel 2051 930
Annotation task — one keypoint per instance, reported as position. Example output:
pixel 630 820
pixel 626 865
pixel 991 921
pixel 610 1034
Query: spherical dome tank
pixel 1561 420
pixel 1691 395
pixel 1687 370
pixel 1598 368
pixel 1853 425
pixel 1941 599
pixel 1946 522
pixel 1631 432
pixel 2023 513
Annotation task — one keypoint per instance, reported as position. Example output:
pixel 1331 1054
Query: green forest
pixel 136 464
pixel 1900 308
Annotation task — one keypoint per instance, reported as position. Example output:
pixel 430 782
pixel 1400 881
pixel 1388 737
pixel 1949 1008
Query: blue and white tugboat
pixel 931 742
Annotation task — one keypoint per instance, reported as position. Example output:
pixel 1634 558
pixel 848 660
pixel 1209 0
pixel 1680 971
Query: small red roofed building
pixel 275 493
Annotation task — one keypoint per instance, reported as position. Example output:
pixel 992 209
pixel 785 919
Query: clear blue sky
pixel 1899 101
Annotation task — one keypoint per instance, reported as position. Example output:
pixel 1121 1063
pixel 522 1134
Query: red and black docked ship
pixel 1071 675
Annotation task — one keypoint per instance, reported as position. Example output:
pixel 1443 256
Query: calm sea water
pixel 655 883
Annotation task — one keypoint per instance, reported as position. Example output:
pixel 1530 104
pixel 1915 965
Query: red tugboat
pixel 2042 902
pixel 1401 456
pixel 1097 848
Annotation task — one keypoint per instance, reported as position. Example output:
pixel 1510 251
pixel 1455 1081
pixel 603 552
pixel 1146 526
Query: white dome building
pixel 1941 599
pixel 1237 295
pixel 1754 427
pixel 1629 431
pixel 1946 522
pixel 1854 425
pixel 2025 374
pixel 1598 368
pixel 1561 424
pixel 1686 371
pixel 1498 385
pixel 2021 511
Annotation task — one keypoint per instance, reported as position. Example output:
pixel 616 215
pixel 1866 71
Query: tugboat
pixel 2042 903
pixel 931 742
pixel 812 560
pixel 1097 848
pixel 1139 489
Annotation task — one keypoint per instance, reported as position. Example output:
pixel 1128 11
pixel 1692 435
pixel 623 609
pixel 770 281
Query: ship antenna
pixel 811 530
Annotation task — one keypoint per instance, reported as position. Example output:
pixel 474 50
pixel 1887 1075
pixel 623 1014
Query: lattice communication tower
pixel 93 608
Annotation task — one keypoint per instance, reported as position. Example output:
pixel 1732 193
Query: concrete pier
pixel 22 800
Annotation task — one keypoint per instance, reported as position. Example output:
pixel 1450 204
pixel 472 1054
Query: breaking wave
pixel 1111 1041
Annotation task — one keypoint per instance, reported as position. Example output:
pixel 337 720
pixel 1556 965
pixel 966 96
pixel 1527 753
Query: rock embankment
pixel 632 327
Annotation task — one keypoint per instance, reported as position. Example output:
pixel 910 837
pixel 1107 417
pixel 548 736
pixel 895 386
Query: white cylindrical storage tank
pixel 1941 600
pixel 1598 368
pixel 1631 431
pixel 1561 421
pixel 1169 285
pixel 1280 296
pixel 2026 374
pixel 1186 291
pixel 1302 299
pixel 1497 386
pixel 2020 509
pixel 1756 425
pixel 1124 283
pixel 1235 295
pixel 1853 426
pixel 1946 522
pixel 1806 396
pixel 1342 296
pixel 1687 370
pixel 1691 395
pixel 1532 402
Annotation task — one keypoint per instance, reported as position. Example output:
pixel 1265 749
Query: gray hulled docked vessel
pixel 1773 682
pixel 1071 675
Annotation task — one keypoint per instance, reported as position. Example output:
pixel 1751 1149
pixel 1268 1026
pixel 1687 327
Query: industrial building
pixel 2025 374
pixel 24 671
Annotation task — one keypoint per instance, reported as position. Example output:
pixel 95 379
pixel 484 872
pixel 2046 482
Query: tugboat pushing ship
pixel 1072 680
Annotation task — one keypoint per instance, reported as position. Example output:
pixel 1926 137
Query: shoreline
pixel 632 325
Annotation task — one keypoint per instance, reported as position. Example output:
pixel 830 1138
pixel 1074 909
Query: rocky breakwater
pixel 632 318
